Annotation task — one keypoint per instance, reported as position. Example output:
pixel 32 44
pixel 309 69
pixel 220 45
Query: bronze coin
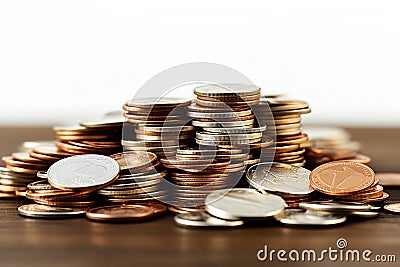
pixel 341 177
pixel 134 159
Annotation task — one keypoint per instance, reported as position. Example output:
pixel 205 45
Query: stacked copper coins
pixel 22 168
pixel 100 137
pixel 347 180
pixel 331 144
pixel 139 179
pixel 286 121
pixel 198 172
pixel 156 125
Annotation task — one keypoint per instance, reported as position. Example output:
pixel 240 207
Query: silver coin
pixel 43 211
pixel 228 89
pixel 227 137
pixel 83 171
pixel 237 123
pixel 203 219
pixel 216 115
pixel 40 185
pixel 42 174
pixel 233 204
pixel 107 122
pixel 236 130
pixel 227 143
pixel 158 129
pixel 301 217
pixel 280 177
pixel 332 206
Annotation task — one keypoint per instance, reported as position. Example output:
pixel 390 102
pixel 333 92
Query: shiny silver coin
pixel 236 130
pixel 233 204
pixel 227 143
pixel 203 219
pixel 331 206
pixel 237 123
pixel 166 129
pixel 306 218
pixel 43 211
pixel 83 171
pixel 226 137
pixel 40 185
pixel 216 115
pixel 232 89
pixel 280 177
pixel 364 214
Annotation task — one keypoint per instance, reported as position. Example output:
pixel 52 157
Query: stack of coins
pixel 330 137
pixel 316 156
pixel 347 180
pixel 157 125
pixel 139 179
pixel 100 137
pixel 196 173
pixel 286 121
pixel 14 184
pixel 73 181
pixel 22 168
pixel 288 181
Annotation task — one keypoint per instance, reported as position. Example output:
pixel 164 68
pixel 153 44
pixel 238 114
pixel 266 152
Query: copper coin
pixel 120 213
pixel 9 161
pixel 389 178
pixel 360 158
pixel 341 177
pixel 57 203
pixel 157 208
pixel 20 170
pixel 134 159
pixel 25 157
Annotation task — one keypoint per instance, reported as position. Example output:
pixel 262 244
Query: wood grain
pixel 79 242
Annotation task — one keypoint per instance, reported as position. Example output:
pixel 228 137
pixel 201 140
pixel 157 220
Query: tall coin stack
pixel 157 125
pixel 139 179
pixel 290 140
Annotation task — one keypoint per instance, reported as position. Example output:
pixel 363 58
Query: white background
pixel 65 61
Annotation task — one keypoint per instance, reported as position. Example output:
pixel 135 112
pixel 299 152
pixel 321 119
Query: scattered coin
pixel 120 213
pixel 43 211
pixel 203 219
pixel 305 218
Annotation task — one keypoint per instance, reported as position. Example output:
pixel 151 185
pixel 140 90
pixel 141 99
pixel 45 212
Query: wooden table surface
pixel 79 242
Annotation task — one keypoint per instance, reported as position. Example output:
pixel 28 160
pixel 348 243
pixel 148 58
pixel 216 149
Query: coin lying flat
pixel 279 177
pixel 341 177
pixel 233 204
pixel 43 211
pixel 331 206
pixel 394 207
pixel 306 218
pixel 83 171
pixel 129 212
pixel 203 219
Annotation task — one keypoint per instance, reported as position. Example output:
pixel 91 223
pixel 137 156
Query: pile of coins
pixel 100 137
pixel 347 180
pixel 157 125
pixel 22 168
pixel 73 181
pixel 286 122
pixel 139 179
pixel 331 144
pixel 288 181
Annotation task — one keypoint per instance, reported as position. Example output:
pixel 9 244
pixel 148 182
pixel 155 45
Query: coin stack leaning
pixel 72 181
pixel 139 179
pixel 290 182
pixel 347 180
pixel 157 125
pixel 99 137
